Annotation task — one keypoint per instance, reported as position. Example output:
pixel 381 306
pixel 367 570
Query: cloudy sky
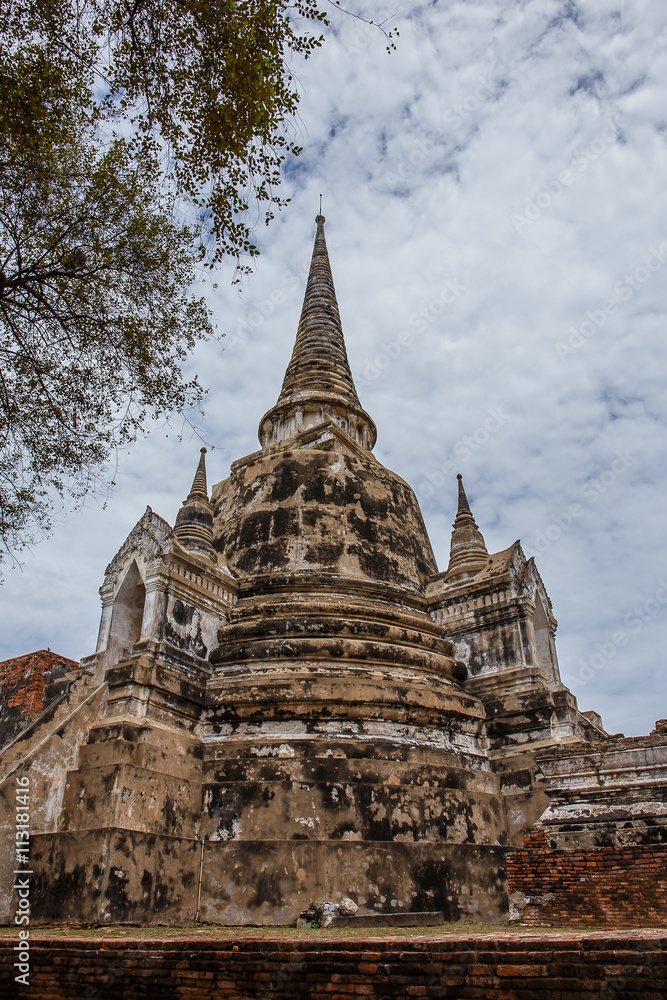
pixel 496 202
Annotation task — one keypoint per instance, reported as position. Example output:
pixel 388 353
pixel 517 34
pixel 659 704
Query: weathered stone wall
pixel 45 754
pixel 632 966
pixel 246 885
pixel 107 876
pixel 613 886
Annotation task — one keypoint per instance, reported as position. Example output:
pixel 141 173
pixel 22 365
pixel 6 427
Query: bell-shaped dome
pixel 323 507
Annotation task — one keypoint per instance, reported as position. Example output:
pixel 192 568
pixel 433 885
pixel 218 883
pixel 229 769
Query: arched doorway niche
pixel 128 613
pixel 544 644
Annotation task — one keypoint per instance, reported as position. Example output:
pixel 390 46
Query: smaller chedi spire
pixel 468 553
pixel 194 523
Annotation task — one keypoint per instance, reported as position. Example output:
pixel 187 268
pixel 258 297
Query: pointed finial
pixel 199 489
pixel 194 523
pixel 318 386
pixel 468 552
pixel 464 507
pixel 320 204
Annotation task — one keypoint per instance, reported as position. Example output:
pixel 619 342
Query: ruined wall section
pixel 609 886
pixel 598 853
pixel 607 794
pixel 28 686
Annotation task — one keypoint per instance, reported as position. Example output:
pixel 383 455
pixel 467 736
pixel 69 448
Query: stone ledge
pixel 423 919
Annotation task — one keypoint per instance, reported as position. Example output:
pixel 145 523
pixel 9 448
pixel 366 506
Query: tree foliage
pixel 135 138
pixel 95 321
pixel 201 88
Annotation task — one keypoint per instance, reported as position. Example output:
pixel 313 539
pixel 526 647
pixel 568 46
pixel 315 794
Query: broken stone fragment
pixel 306 917
pixel 347 907
pixel 326 912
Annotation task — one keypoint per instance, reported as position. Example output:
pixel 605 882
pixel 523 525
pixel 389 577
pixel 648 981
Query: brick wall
pixel 554 966
pixel 612 886
pixel 22 694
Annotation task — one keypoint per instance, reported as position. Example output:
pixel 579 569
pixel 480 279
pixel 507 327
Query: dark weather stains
pixel 184 630
pixel 354 516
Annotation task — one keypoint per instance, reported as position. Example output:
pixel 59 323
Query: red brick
pixel 521 971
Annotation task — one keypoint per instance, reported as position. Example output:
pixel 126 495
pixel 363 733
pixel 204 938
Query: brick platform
pixel 550 966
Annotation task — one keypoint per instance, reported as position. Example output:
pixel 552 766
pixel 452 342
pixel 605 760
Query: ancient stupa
pixel 289 702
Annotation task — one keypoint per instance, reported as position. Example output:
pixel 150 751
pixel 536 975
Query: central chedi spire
pixel 318 386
